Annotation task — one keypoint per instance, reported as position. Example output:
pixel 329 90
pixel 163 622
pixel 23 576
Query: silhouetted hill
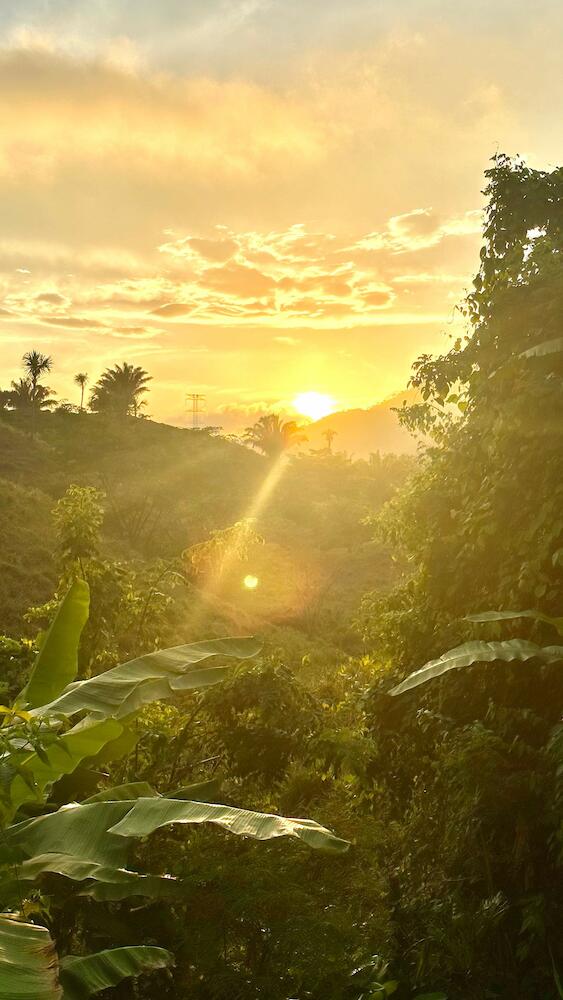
pixel 362 432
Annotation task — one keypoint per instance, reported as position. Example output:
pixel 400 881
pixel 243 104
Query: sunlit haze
pixel 249 199
pixel 314 404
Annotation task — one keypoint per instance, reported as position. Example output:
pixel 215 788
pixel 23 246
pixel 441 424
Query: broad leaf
pixel 148 815
pixel 540 350
pixel 479 652
pixel 202 791
pixel 82 977
pixel 56 664
pixel 501 616
pixel 62 756
pixel 102 831
pixel 28 962
pixel 155 677
pixel 100 882
pixel 127 792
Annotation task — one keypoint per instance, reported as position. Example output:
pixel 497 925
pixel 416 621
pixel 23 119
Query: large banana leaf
pixel 28 962
pixel 148 815
pixel 62 756
pixel 102 831
pixel 99 882
pixel 479 652
pixel 56 664
pixel 81 977
pixel 154 677
pixel 504 616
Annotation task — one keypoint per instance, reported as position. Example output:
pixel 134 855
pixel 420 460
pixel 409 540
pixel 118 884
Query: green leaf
pixel 28 962
pixel 62 756
pixel 540 350
pixel 148 815
pixel 479 652
pixel 102 831
pixel 202 791
pixel 127 792
pixel 81 977
pixel 157 676
pixel 500 616
pixel 56 663
pixel 100 882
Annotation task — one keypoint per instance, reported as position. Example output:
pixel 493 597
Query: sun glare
pixel 314 405
pixel 250 582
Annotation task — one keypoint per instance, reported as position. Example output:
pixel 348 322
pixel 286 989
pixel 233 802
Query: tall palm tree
pixel 271 435
pixel 329 436
pixel 81 379
pixel 35 365
pixel 119 391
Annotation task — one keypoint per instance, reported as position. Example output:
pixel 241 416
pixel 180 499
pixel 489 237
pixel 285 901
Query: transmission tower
pixel 197 401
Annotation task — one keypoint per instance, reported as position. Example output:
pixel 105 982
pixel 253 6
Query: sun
pixel 314 405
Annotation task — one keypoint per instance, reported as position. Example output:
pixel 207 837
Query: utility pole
pixel 198 402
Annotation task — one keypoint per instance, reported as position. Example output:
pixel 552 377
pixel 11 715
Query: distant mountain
pixel 361 432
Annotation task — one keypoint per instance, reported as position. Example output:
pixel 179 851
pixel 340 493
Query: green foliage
pixel 78 517
pixel 28 969
pixel 56 664
pixel 96 834
pixel 81 977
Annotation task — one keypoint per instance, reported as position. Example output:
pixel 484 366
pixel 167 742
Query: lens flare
pixel 314 405
pixel 250 582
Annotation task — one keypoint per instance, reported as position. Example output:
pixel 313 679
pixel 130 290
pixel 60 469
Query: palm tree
pixel 26 397
pixel 329 436
pixel 119 390
pixel 81 379
pixel 35 364
pixel 271 435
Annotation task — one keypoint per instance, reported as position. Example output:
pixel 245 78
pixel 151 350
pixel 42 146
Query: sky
pixel 254 199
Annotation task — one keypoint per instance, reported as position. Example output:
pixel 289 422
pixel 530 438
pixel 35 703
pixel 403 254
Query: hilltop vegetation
pixel 407 693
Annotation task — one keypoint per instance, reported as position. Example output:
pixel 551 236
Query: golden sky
pixel 256 198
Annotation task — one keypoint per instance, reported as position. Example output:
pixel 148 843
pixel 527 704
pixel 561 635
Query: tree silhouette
pixel 81 379
pixel 35 365
pixel 27 398
pixel 271 435
pixel 119 391
pixel 329 436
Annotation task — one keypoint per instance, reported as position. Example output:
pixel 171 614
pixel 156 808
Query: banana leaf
pixel 56 664
pixel 82 977
pixel 471 653
pixel 28 962
pixel 154 677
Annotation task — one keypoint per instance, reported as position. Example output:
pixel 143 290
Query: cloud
pixel 80 322
pixel 295 276
pixel 148 124
pixel 292 277
pixel 421 229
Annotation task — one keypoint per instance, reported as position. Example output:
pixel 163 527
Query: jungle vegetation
pixel 392 675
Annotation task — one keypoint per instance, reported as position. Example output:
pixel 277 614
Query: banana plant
pixel 470 653
pixel 57 724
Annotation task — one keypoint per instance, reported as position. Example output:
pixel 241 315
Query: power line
pixel 197 400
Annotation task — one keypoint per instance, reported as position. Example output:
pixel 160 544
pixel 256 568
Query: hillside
pixel 360 433
pixel 165 489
